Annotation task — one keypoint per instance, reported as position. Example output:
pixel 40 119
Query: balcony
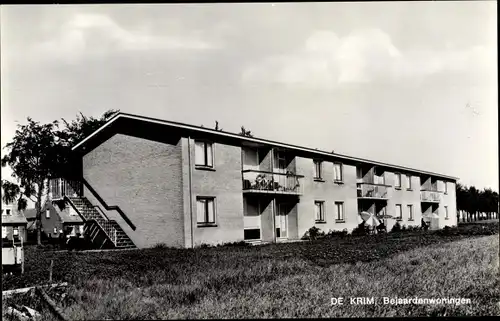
pixel 255 181
pixel 60 187
pixel 431 196
pixel 372 191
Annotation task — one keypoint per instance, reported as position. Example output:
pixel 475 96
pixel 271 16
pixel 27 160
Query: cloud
pixel 327 60
pixel 85 34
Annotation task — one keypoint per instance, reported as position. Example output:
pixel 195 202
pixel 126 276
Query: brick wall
pixel 224 183
pixel 54 221
pixel 329 192
pixel 143 178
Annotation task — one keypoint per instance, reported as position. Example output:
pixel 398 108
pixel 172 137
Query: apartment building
pixel 143 181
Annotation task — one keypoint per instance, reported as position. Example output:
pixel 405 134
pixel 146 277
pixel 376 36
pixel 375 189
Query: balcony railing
pixel 59 187
pixel 371 190
pixel 430 196
pixel 272 182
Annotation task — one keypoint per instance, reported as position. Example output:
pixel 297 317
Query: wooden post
pixel 50 270
pixel 22 253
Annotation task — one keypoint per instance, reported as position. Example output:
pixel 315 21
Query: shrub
pixel 237 244
pixel 403 228
pixel 313 233
pixel 337 233
pixel 361 229
pixel 160 246
pixel 396 227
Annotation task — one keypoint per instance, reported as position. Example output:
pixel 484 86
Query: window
pixel 337 172
pixel 47 214
pixel 445 187
pixel 15 231
pixel 8 212
pixel 317 169
pixel 410 212
pixel 55 230
pixel 4 231
pixel 446 213
pixel 398 180
pixel 399 212
pixel 204 154
pixel 205 207
pixel 408 181
pixel 252 234
pixel 339 211
pixel 319 207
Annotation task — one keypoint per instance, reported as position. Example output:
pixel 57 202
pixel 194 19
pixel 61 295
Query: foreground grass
pixel 295 287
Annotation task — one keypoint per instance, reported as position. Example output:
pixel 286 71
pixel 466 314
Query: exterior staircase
pixel 107 233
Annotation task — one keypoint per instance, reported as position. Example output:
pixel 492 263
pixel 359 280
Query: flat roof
pixel 121 115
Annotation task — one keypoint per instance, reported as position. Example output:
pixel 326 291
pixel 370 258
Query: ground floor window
pixel 205 208
pixel 339 211
pixel 252 234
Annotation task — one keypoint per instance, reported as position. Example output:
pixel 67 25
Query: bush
pixel 313 233
pixel 160 246
pixel 396 227
pixel 361 229
pixel 236 244
pixel 337 233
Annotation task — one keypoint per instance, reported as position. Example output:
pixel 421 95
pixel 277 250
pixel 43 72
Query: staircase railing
pixel 105 224
pixel 106 206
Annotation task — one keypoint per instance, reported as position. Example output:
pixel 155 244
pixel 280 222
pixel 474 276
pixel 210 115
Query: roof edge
pixel 252 139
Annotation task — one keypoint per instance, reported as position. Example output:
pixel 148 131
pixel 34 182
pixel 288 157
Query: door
pixel 281 221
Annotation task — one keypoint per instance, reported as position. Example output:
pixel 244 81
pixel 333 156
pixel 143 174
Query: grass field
pixel 281 280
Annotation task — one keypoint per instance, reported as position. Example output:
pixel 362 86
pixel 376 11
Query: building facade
pixel 13 224
pixel 163 182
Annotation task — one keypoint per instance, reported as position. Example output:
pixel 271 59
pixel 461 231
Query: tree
pixel 74 132
pixel 31 158
pixel 244 132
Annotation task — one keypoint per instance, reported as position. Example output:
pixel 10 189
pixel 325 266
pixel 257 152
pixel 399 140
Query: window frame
pixel 318 164
pixel 341 166
pixel 337 218
pixel 322 216
pixel 47 214
pixel 399 216
pixel 8 211
pixel 408 182
pixel 206 223
pixel 445 187
pixel 410 212
pixel 205 154
pixel 446 214
pixel 397 175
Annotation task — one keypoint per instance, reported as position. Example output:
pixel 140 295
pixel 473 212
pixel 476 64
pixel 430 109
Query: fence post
pixel 50 270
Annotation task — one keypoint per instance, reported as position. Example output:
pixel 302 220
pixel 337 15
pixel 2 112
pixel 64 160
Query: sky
pixel 407 83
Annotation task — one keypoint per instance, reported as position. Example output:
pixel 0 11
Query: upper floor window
pixel 337 172
pixel 408 181
pixel 445 187
pixel 47 214
pixel 204 154
pixel 397 182
pixel 318 169
pixel 319 207
pixel 205 208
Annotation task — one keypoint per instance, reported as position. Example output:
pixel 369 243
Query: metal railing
pixel 371 190
pixel 60 187
pixel 430 196
pixel 272 182
pixel 104 223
